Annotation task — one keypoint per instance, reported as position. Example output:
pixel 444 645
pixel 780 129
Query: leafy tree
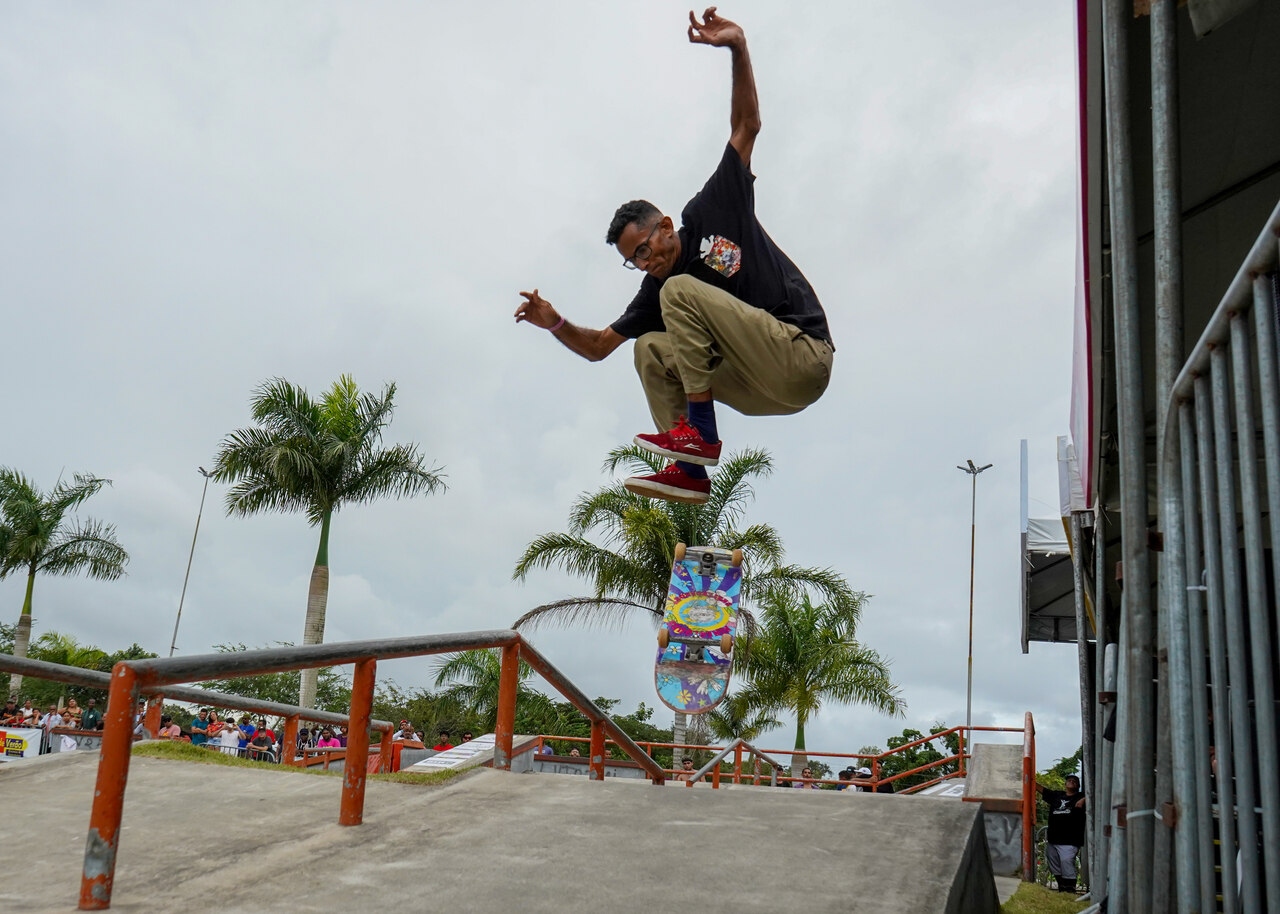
pixel 36 535
pixel 314 456
pixel 805 654
pixel 623 544
pixel 917 756
pixel 333 691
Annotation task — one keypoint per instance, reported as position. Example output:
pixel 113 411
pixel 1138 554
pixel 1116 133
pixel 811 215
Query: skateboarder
pixel 722 313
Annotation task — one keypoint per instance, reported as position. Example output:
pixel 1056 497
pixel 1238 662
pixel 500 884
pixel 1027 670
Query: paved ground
pixel 229 840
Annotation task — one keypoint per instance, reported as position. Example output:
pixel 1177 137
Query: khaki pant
pixel 745 356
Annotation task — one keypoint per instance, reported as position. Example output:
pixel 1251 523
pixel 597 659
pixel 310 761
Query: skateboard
pixel 695 639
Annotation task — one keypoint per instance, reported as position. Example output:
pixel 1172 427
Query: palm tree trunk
pixel 22 637
pixel 798 758
pixel 317 605
pixel 678 730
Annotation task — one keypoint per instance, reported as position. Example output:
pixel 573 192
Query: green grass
pixel 185 752
pixel 1036 899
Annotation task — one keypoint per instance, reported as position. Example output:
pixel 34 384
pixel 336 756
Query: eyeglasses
pixel 643 251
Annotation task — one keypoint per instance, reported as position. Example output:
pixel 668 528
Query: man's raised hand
pixel 714 30
pixel 536 310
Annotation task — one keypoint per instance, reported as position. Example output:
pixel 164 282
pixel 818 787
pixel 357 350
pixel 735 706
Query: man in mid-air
pixel 722 313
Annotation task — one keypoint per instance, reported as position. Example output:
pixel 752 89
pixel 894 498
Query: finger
pixel 709 14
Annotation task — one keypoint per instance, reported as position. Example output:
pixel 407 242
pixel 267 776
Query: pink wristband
pixel 557 325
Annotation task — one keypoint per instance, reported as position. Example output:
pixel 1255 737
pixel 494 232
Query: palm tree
pixel 740 716
pixel 805 654
pixel 472 679
pixel 315 456
pixel 37 536
pixel 630 567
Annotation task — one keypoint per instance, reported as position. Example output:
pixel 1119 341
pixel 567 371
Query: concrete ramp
pixel 995 782
pixel 200 837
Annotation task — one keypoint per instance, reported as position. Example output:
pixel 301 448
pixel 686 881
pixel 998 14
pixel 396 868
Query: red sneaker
pixel 684 442
pixel 672 484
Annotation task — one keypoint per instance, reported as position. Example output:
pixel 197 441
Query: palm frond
pixel 636 461
pixel 730 489
pixel 572 612
pixel 66 496
pixel 89 546
pixel 395 472
pixel 285 410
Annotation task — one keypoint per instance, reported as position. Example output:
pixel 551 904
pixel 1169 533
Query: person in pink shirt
pixel 327 740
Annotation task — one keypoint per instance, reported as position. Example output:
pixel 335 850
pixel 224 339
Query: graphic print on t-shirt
pixel 721 254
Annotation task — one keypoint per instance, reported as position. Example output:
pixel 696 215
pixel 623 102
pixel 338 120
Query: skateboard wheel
pixel 737 557
pixel 664 638
pixel 680 548
pixel 726 644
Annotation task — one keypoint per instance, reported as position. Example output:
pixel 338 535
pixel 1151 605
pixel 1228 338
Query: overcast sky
pixel 196 197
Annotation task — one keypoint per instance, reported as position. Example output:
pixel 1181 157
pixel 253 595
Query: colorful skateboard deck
pixel 695 640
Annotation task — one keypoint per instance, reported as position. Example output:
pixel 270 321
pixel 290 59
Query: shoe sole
pixel 675 455
pixel 667 493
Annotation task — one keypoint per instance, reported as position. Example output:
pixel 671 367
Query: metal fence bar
pixel 1101 786
pixel 1176 693
pixel 1118 862
pixel 1173 704
pixel 1100 887
pixel 1082 663
pixel 1264 317
pixel 1258 611
pixel 1140 622
pixel 1242 732
pixel 1206 453
pixel 1197 651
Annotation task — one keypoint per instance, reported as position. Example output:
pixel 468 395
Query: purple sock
pixel 702 416
pixel 692 469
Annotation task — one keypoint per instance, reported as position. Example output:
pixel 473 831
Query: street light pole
pixel 173 644
pixel 973 471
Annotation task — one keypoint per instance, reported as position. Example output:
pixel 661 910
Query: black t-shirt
pixel 1066 820
pixel 722 243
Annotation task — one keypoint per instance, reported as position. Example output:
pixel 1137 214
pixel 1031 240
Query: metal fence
pixel 1220 506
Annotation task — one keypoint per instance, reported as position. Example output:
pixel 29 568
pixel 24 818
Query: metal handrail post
pixel 98 874
pixel 151 720
pixel 1256 600
pixel 505 723
pixel 737 764
pixel 386 752
pixel 355 768
pixel 597 751
pixel 289 741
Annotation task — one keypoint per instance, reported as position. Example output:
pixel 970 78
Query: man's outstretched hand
pixel 714 30
pixel 536 310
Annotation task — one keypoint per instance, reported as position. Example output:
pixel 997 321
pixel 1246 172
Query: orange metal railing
pixel 130 678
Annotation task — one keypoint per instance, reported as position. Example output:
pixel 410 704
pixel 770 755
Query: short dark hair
pixel 1072 777
pixel 638 211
